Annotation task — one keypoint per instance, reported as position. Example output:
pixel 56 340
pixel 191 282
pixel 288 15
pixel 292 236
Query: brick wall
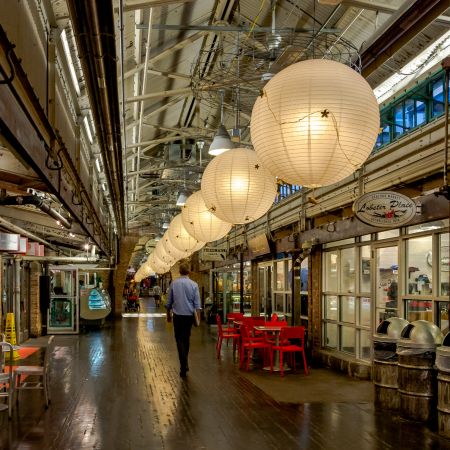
pixel 35 313
pixel 315 309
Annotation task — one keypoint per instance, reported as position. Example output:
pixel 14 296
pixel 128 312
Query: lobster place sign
pixel 384 209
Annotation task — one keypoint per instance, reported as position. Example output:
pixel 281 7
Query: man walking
pixel 184 301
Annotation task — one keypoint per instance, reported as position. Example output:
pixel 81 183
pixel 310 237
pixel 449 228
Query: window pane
pixel 331 273
pixel 279 302
pixel 348 309
pixel 438 97
pixel 419 310
pixel 388 234
pixel 365 342
pixel 331 307
pixel 418 251
pixel 348 273
pixel 387 277
pixel 398 120
pixel 280 276
pixel 428 226
pixel 289 274
pixel 288 303
pixel 304 276
pixel 348 339
pixel 304 305
pixel 444 263
pixel 421 112
pixel 409 114
pixel 364 312
pixel 443 316
pixel 330 338
pixel 364 279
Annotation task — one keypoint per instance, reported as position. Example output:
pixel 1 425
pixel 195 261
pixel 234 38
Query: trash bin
pixel 443 380
pixel 385 370
pixel 416 373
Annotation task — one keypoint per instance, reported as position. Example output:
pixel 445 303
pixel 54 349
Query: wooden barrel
pixel 443 403
pixel 385 380
pixel 417 385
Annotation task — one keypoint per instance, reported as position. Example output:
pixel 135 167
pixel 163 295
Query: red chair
pixel 287 334
pixel 274 317
pixel 248 345
pixel 231 317
pixel 227 334
pixel 277 323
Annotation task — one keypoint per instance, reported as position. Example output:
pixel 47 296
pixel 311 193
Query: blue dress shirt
pixel 184 296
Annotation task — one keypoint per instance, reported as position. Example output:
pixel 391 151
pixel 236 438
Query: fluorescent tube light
pixel 73 74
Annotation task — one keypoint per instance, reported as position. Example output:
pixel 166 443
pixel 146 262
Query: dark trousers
pixel 182 326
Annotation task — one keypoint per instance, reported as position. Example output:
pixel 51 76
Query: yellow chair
pixel 35 377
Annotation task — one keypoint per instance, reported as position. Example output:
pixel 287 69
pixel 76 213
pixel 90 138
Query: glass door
pixel 386 283
pixel 63 315
pixel 265 290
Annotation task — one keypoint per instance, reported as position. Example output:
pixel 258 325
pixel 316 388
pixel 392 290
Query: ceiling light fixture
pixel 222 141
pixel 181 201
pixel 73 74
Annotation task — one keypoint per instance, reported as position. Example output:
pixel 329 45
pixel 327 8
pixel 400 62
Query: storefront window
pixel 348 309
pixel 331 307
pixel 442 308
pixel 444 264
pixel 279 302
pixel 289 303
pixel 419 261
pixel 280 276
pixel 365 343
pixel 331 273
pixel 347 339
pixel 348 270
pixel 330 338
pixel 364 312
pixel 388 234
pixel 364 278
pixel 419 310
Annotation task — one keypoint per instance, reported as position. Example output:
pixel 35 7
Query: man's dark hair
pixel 184 269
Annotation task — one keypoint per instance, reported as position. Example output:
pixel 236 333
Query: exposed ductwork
pixel 93 25
pixel 19 200
pixel 15 229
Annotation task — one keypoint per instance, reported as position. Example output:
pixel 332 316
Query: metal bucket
pixel 417 384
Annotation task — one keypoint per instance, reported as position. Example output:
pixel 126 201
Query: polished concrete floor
pixel 119 388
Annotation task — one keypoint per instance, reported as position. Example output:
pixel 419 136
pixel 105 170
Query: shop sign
pixel 213 254
pixel 384 209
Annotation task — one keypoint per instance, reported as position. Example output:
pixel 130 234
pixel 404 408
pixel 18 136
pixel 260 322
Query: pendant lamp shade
pixel 315 123
pixel 171 249
pixel 237 188
pixel 159 266
pixel 200 222
pixel 180 238
pixel 161 253
pixel 221 142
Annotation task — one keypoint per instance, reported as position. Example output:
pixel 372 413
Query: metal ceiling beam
pixel 231 28
pixel 166 52
pixel 133 6
pixel 403 27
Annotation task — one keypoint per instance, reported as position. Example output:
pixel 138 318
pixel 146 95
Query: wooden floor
pixel 119 388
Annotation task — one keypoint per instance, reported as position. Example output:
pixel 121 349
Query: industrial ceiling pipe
pixel 15 229
pixel 18 200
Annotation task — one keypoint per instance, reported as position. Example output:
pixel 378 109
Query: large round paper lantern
pixel 237 188
pixel 171 249
pixel 200 222
pixel 315 123
pixel 180 238
pixel 159 266
pixel 161 253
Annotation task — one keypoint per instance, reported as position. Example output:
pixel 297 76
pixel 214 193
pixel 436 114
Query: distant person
pixel 157 295
pixel 184 301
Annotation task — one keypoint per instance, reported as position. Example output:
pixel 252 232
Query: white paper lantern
pixel 171 249
pixel 159 266
pixel 200 222
pixel 237 188
pixel 315 123
pixel 161 253
pixel 180 238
